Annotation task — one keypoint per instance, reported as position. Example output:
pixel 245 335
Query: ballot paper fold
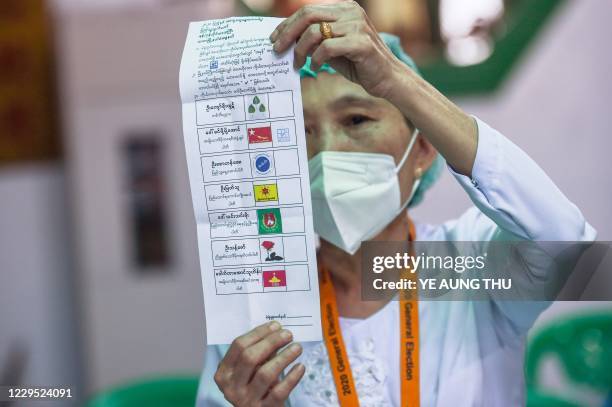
pixel 248 170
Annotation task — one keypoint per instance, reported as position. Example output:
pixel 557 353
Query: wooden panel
pixel 27 119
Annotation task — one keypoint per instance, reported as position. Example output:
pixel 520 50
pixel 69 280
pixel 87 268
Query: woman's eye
pixel 358 119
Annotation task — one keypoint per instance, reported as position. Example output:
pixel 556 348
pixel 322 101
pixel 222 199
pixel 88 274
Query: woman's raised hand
pixel 249 373
pixel 356 50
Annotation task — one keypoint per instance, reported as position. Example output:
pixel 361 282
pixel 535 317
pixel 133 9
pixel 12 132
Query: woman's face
pixel 340 115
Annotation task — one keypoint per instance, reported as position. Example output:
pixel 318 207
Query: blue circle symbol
pixel 262 163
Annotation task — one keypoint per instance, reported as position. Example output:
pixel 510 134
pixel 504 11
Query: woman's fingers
pixel 226 375
pixel 312 38
pixel 309 40
pixel 258 353
pixel 267 374
pixel 244 356
pixel 241 343
pixel 280 392
pixel 294 26
pixel 251 368
pixel 348 47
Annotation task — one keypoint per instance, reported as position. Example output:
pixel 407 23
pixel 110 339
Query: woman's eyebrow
pixel 353 100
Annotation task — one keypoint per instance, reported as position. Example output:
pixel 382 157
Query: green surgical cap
pixel 393 43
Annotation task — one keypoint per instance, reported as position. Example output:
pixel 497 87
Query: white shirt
pixel 471 353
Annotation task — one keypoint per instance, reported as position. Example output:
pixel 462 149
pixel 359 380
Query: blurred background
pixel 99 277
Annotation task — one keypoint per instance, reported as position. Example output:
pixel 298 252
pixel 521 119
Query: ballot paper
pixel 246 156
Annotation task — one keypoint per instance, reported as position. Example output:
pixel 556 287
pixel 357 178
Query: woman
pixel 359 114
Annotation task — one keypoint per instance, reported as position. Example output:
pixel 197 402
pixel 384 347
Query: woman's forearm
pixel 451 131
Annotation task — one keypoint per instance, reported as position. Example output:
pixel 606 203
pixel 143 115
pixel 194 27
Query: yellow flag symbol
pixel 266 192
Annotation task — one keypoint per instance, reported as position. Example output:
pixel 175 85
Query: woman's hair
pixel 393 43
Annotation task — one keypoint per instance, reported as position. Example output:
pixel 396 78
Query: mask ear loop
pixel 408 150
pixel 417 182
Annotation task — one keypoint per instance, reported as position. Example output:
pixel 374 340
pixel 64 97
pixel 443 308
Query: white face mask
pixel 355 195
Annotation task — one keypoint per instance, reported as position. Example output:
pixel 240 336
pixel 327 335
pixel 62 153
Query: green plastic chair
pixel 536 399
pixel 582 344
pixel 159 392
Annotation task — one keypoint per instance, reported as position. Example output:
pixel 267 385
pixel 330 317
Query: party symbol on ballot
pixel 274 278
pixel 253 106
pixel 266 192
pixel 260 134
pixel 269 221
pixel 272 256
pixel 263 163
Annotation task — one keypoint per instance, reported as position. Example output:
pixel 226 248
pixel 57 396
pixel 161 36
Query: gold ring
pixel 326 30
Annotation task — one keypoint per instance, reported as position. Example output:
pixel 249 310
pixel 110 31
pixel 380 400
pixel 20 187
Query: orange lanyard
pixel 338 358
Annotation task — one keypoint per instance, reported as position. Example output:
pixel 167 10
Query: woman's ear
pixel 426 153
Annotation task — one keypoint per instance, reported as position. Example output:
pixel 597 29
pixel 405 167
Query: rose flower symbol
pixel 268 245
